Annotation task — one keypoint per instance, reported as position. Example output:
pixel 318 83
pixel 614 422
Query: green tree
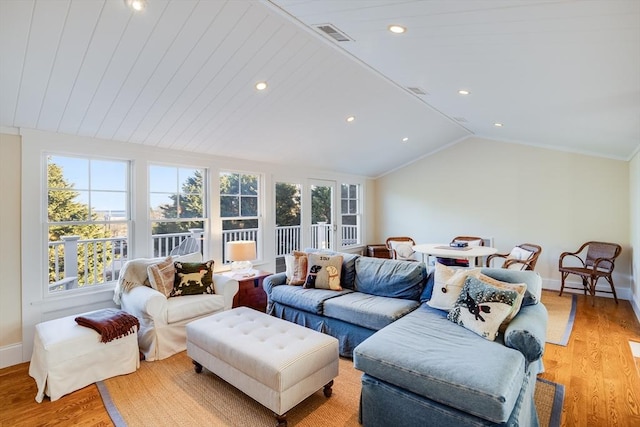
pixel 287 204
pixel 320 204
pixel 64 207
pixel 188 204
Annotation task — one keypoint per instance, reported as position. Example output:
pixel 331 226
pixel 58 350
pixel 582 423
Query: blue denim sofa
pixel 376 292
pixel 424 370
pixel 420 369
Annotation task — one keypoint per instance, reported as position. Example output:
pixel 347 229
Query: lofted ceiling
pixel 181 75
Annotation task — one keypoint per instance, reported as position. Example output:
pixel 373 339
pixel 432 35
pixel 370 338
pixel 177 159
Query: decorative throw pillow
pixel 193 278
pixel 519 254
pixel 162 276
pixel 482 308
pixel 323 272
pixel 519 288
pixel 448 283
pixel 296 268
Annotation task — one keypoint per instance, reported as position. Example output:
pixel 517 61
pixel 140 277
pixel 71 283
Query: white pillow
pixel 519 254
pixel 403 250
pixel 447 285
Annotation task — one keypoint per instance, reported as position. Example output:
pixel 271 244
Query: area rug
pixel 562 313
pixel 170 393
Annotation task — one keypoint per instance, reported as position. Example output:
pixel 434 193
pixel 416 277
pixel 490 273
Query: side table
pixel 250 292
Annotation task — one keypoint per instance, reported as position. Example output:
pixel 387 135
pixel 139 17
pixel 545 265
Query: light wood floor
pixel 602 383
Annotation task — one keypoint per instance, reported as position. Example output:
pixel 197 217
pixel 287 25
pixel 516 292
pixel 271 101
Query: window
pixel 351 216
pixel 239 208
pixel 87 220
pixel 177 200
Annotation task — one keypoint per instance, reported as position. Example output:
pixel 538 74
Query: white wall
pixel 634 197
pixel 514 194
pixel 10 279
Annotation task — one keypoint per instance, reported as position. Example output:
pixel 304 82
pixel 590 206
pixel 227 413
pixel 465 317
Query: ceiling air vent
pixel 417 90
pixel 331 31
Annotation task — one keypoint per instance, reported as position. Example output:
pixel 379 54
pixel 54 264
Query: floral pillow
pixel 447 285
pixel 323 271
pixel 481 307
pixel 296 268
pixel 193 278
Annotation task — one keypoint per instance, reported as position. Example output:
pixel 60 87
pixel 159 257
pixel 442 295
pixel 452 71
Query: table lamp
pixel 241 252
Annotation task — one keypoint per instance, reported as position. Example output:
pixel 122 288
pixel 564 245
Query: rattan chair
pixel 404 242
pixel 599 262
pixel 472 241
pixel 515 260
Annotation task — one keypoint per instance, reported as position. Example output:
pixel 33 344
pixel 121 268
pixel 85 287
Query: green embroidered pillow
pixel 193 278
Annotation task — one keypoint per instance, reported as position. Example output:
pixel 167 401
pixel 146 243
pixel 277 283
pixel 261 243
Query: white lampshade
pixel 241 252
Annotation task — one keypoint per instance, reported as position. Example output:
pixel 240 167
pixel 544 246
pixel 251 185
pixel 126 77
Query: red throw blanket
pixel 110 323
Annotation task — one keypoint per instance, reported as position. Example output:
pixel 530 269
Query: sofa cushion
pixel 390 278
pixel 323 272
pixel 428 355
pixel 192 306
pixel 310 300
pixel 369 311
pixel 482 307
pixel 348 273
pixel 530 278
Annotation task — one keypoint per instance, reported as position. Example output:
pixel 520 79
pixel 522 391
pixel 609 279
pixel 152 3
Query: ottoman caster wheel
pixel 197 367
pixel 327 389
pixel 281 420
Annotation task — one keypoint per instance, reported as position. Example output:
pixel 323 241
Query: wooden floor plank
pixel 602 384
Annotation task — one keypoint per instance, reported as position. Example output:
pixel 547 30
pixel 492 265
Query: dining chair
pixel 401 248
pixel 522 257
pixel 598 262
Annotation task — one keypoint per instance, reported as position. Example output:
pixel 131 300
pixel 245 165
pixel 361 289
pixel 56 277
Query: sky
pixel 108 181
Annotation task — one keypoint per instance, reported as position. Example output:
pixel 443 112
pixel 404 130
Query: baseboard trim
pixel 10 355
pixel 554 285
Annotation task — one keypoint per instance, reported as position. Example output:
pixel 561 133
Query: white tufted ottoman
pixel 67 357
pixel 275 362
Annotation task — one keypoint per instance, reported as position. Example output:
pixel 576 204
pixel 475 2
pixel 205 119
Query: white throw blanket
pixel 133 273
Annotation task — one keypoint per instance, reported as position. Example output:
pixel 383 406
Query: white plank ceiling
pixel 181 75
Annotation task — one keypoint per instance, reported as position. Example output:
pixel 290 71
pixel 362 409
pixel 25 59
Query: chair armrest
pixel 490 257
pixel 527 332
pixel 146 304
pixel 565 254
pixel 226 286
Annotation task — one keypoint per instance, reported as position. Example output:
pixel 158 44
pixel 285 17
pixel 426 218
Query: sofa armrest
pixel 147 304
pixel 527 332
pixel 269 283
pixel 226 286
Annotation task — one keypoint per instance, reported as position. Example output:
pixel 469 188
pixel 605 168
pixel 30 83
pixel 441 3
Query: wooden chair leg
pixel 563 276
pixel 592 289
pixel 613 289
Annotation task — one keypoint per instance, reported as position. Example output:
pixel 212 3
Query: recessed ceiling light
pixel 397 29
pixel 463 92
pixel 405 139
pixel 498 125
pixel 136 5
pixel 350 119
pixel 261 85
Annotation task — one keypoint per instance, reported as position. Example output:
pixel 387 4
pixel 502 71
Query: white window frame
pixel 358 214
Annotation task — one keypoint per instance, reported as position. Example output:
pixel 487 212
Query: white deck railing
pixel 112 252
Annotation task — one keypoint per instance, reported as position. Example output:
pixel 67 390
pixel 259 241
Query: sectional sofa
pixel 419 367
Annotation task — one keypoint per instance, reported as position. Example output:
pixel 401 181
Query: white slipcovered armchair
pixel 162 320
